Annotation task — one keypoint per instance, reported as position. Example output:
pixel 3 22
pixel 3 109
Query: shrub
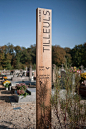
pixel 69 110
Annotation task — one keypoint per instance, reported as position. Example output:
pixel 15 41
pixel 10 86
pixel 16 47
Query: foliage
pixel 21 88
pixel 58 55
pixel 70 110
pixel 16 57
pixel 1 68
pixel 22 93
pixel 73 69
pixel 68 56
pixel 34 66
pixel 83 77
pixel 8 67
pixel 6 83
pixel 78 54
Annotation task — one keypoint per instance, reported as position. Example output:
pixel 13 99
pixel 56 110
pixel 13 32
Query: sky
pixel 18 22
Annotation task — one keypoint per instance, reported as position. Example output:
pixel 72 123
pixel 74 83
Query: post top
pixel 43 8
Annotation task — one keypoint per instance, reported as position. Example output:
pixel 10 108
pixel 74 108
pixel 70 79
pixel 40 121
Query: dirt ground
pixel 14 115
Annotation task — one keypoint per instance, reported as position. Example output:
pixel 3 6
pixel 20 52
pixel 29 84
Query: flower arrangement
pixel 21 88
pixel 5 78
pixel 6 83
pixel 83 77
pixel 79 71
pixel 73 69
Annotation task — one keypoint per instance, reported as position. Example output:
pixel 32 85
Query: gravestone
pixel 24 78
pixel 30 73
pixel 63 74
pixel 16 79
pixel 53 73
pixel 34 74
pixel 26 71
pixel 4 70
pixel 62 68
pixel 26 68
pixel 73 79
pixel 43 68
pixel 9 77
pixel 59 72
pixel 82 70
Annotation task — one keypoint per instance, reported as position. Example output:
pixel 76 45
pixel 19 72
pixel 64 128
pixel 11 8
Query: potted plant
pixel 21 89
pixel 6 84
pixel 83 78
pixel 5 78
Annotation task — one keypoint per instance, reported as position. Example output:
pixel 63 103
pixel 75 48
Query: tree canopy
pixel 16 57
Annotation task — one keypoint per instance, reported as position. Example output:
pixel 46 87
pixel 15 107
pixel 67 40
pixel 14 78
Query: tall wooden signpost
pixel 43 68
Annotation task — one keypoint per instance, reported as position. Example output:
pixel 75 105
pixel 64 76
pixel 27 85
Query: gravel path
pixel 12 118
pixel 23 118
pixel 19 115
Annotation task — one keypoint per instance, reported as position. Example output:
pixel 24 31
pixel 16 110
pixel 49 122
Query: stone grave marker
pixel 62 68
pixel 35 75
pixel 63 74
pixel 82 70
pixel 16 79
pixel 43 68
pixel 59 72
pixel 30 72
pixel 26 71
pixel 53 73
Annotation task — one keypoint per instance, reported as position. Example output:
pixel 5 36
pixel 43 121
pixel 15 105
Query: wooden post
pixel 43 68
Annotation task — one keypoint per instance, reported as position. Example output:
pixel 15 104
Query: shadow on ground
pixel 14 126
pixel 4 127
pixel 5 98
pixel 5 92
pixel 2 88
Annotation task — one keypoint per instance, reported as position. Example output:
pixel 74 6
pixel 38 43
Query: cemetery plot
pixel 28 98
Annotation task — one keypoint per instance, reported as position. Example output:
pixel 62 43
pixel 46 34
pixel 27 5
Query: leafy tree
pixel 18 52
pixel 20 57
pixel 68 55
pixel 84 55
pixel 33 54
pixel 25 57
pixel 77 55
pixel 17 49
pixel 8 67
pixel 58 55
